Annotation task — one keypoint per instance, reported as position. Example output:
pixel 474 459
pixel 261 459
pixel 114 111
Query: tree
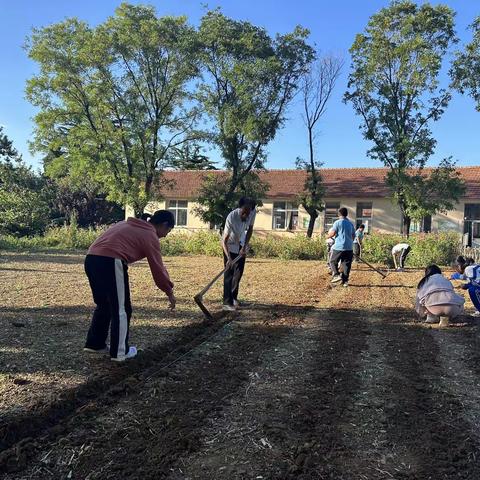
pixel 394 87
pixel 465 71
pixel 430 194
pixel 249 79
pixel 316 89
pixel 23 204
pixel 215 201
pixel 190 157
pixel 114 99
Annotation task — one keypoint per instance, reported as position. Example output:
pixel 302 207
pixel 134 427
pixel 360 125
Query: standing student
pixel 358 241
pixel 106 266
pixel 466 269
pixel 343 232
pixel 399 253
pixel 436 297
pixel 236 237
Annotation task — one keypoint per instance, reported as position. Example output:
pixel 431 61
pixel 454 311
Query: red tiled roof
pixel 338 182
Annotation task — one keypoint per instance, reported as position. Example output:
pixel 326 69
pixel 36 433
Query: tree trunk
pixel 406 225
pixel 311 223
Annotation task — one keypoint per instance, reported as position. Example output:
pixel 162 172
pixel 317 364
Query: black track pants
pixel 108 279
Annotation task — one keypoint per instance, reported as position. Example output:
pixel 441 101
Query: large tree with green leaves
pixel 249 78
pixel 465 71
pixel 394 87
pixel 316 89
pixel 114 99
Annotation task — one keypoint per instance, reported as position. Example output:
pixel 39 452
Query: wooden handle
pixel 205 290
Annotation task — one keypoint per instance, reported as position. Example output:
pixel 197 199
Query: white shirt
pixel 399 247
pixel 472 274
pixel 236 229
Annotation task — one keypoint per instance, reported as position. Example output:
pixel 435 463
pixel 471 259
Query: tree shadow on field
pixel 72 258
pixel 373 285
pixel 37 270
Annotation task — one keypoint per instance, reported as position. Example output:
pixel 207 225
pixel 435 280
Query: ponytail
pixel 429 271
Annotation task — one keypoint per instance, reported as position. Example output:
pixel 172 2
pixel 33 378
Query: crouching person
pixel 467 270
pixel 106 266
pixel 436 297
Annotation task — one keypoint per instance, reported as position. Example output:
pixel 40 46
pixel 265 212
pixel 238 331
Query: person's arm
pixel 244 249
pixel 333 231
pixel 159 272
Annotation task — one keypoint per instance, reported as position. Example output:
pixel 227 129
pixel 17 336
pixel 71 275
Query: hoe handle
pixel 207 288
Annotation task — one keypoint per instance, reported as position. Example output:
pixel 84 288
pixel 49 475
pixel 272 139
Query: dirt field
pixel 307 381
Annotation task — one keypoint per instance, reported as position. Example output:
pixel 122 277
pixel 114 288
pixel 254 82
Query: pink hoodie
pixel 131 241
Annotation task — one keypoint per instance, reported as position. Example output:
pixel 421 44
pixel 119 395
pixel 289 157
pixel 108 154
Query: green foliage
pixel 215 201
pixel 249 80
pixel 189 156
pixel 439 248
pixel 114 98
pixel 465 72
pixel 393 86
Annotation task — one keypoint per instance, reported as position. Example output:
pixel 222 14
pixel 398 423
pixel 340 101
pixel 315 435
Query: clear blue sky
pixel 333 26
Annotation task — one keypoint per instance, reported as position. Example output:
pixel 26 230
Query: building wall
pixel 386 217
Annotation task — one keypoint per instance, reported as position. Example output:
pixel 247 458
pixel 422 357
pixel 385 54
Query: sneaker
pixel 236 304
pixel 345 284
pixel 336 278
pixel 399 269
pixel 476 314
pixel 96 350
pixel 228 308
pixel 432 319
pixel 132 352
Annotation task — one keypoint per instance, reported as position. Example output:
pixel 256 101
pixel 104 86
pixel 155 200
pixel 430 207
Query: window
pixel 285 216
pixel 422 226
pixel 331 214
pixel 364 215
pixel 179 208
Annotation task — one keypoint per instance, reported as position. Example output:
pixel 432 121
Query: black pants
pixel 345 257
pixel 403 256
pixel 232 277
pixel 108 279
pixel 356 251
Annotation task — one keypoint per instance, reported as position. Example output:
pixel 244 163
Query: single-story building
pixel 362 190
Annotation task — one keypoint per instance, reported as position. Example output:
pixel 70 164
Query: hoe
pixel 384 275
pixel 199 296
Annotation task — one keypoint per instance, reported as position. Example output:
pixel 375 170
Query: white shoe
pixel 132 352
pixel 236 304
pixel 345 284
pixel 399 269
pixel 93 350
pixel 336 278
pixel 476 314
pixel 228 308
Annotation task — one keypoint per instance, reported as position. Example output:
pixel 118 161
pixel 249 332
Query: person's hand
pixel 228 264
pixel 172 300
pixel 243 251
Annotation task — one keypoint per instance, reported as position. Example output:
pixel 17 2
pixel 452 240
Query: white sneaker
pixel 93 350
pixel 228 308
pixel 336 278
pixel 236 304
pixel 345 284
pixel 476 314
pixel 132 352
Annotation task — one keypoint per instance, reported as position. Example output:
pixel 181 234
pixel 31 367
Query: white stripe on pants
pixel 122 314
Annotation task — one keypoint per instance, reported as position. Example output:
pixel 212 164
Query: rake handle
pixel 372 267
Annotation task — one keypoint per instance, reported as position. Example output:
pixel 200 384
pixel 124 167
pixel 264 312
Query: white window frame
pixel 172 206
pixel 367 221
pixel 289 209
pixel 336 206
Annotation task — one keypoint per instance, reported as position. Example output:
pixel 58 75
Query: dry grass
pixel 46 308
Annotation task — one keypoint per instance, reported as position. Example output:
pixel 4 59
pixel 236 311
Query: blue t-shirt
pixel 358 236
pixel 345 231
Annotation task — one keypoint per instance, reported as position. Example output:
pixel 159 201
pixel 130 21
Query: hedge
pixel 426 248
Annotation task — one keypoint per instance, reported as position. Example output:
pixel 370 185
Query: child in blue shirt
pixel 466 269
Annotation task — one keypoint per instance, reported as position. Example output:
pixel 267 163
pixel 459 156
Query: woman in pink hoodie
pixel 106 266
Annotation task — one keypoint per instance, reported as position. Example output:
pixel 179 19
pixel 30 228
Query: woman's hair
pixel 160 217
pixel 429 271
pixel 462 262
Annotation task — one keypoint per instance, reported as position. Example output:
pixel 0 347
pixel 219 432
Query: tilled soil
pixel 317 383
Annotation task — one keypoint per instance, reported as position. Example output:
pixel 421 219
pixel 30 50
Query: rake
pixel 199 296
pixel 384 275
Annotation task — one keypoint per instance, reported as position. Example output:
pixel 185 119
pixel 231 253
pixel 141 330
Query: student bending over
pixel 436 297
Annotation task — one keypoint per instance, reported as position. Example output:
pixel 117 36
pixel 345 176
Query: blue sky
pixel 333 26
